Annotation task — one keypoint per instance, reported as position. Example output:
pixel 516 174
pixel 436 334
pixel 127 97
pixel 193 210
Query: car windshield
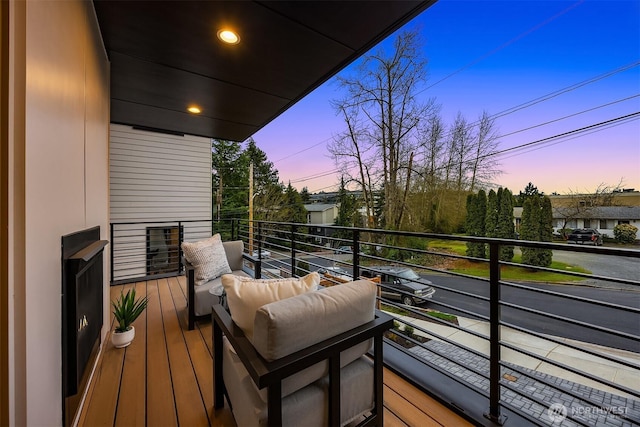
pixel 408 274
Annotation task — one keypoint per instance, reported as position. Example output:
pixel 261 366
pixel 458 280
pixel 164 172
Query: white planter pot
pixel 123 339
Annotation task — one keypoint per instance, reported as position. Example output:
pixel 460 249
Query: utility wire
pixel 571 132
pixel 566 139
pixel 329 172
pixel 303 150
pixel 569 116
pixel 499 48
pixel 526 104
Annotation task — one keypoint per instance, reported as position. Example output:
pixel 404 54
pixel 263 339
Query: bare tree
pixel 350 151
pixel 383 93
pixel 483 167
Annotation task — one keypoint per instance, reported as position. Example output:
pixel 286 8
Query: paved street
pixel 618 321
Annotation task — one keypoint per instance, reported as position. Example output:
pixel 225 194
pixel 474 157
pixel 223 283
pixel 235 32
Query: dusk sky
pixel 495 56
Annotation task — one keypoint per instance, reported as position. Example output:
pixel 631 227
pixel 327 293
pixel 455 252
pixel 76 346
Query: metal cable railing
pixel 519 345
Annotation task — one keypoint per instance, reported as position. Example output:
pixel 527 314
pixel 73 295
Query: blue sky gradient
pixel 494 56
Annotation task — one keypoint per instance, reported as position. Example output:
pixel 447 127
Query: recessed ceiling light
pixel 228 36
pixel 195 110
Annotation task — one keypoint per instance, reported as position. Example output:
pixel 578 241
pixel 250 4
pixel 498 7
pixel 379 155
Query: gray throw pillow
pixel 208 258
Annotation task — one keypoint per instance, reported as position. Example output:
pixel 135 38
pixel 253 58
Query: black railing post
pixel 111 249
pixel 356 254
pixel 258 264
pixel 180 240
pixel 293 251
pixel 234 229
pixel 494 335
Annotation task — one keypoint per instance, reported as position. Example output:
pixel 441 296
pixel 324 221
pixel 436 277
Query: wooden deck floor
pixel 164 378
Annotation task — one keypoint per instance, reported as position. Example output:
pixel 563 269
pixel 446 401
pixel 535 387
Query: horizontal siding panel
pixel 141 163
pixel 153 157
pixel 149 196
pixel 142 144
pixel 140 205
pixel 157 173
pixel 122 134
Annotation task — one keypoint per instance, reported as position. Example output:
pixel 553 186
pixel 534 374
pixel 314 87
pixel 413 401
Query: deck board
pixel 133 409
pixel 165 377
pixel 160 395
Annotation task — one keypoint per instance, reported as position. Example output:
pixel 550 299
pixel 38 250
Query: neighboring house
pixel 603 218
pixel 321 214
pixel 627 197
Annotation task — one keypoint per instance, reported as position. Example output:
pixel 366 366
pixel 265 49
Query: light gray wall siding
pixel 158 177
pixel 158 180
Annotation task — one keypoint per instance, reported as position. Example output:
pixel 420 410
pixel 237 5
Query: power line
pixel 303 150
pixel 317 175
pixel 526 104
pixel 565 90
pixel 566 139
pixel 569 116
pixel 571 132
pixel 499 48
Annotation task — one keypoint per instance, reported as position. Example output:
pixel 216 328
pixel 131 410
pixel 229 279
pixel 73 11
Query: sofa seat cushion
pixel 208 258
pixel 204 299
pixel 246 295
pixel 306 407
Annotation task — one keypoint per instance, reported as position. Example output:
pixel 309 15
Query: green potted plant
pixel 126 309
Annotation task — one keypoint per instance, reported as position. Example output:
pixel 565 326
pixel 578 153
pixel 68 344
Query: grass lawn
pixel 506 272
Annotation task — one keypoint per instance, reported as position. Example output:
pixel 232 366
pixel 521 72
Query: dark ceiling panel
pixel 165 56
pixel 140 80
pixel 159 118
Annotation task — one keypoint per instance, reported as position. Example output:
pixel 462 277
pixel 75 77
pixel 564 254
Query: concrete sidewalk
pixel 526 372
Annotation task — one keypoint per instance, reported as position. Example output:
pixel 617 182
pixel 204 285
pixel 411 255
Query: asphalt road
pixel 607 266
pixel 615 322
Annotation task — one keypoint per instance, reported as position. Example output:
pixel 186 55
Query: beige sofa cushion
pixel 208 258
pixel 246 295
pixel 286 326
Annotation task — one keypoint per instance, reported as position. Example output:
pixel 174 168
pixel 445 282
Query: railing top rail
pixel 633 253
pixel 159 221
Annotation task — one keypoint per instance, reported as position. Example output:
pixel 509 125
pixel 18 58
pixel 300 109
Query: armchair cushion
pixel 245 295
pixel 289 325
pixel 208 258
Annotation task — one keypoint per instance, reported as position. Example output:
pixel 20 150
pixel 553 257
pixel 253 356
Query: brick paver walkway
pixel 540 400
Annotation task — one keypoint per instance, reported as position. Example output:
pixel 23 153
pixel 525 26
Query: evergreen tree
pixel 264 173
pixel 536 225
pixel 348 215
pixel 505 228
pixel 530 228
pixel 347 209
pixel 229 182
pixel 475 222
pixel 305 196
pixel 292 209
pixel 546 231
pixel 529 190
pixel 491 220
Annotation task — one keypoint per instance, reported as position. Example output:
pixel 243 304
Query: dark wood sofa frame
pixel 271 374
